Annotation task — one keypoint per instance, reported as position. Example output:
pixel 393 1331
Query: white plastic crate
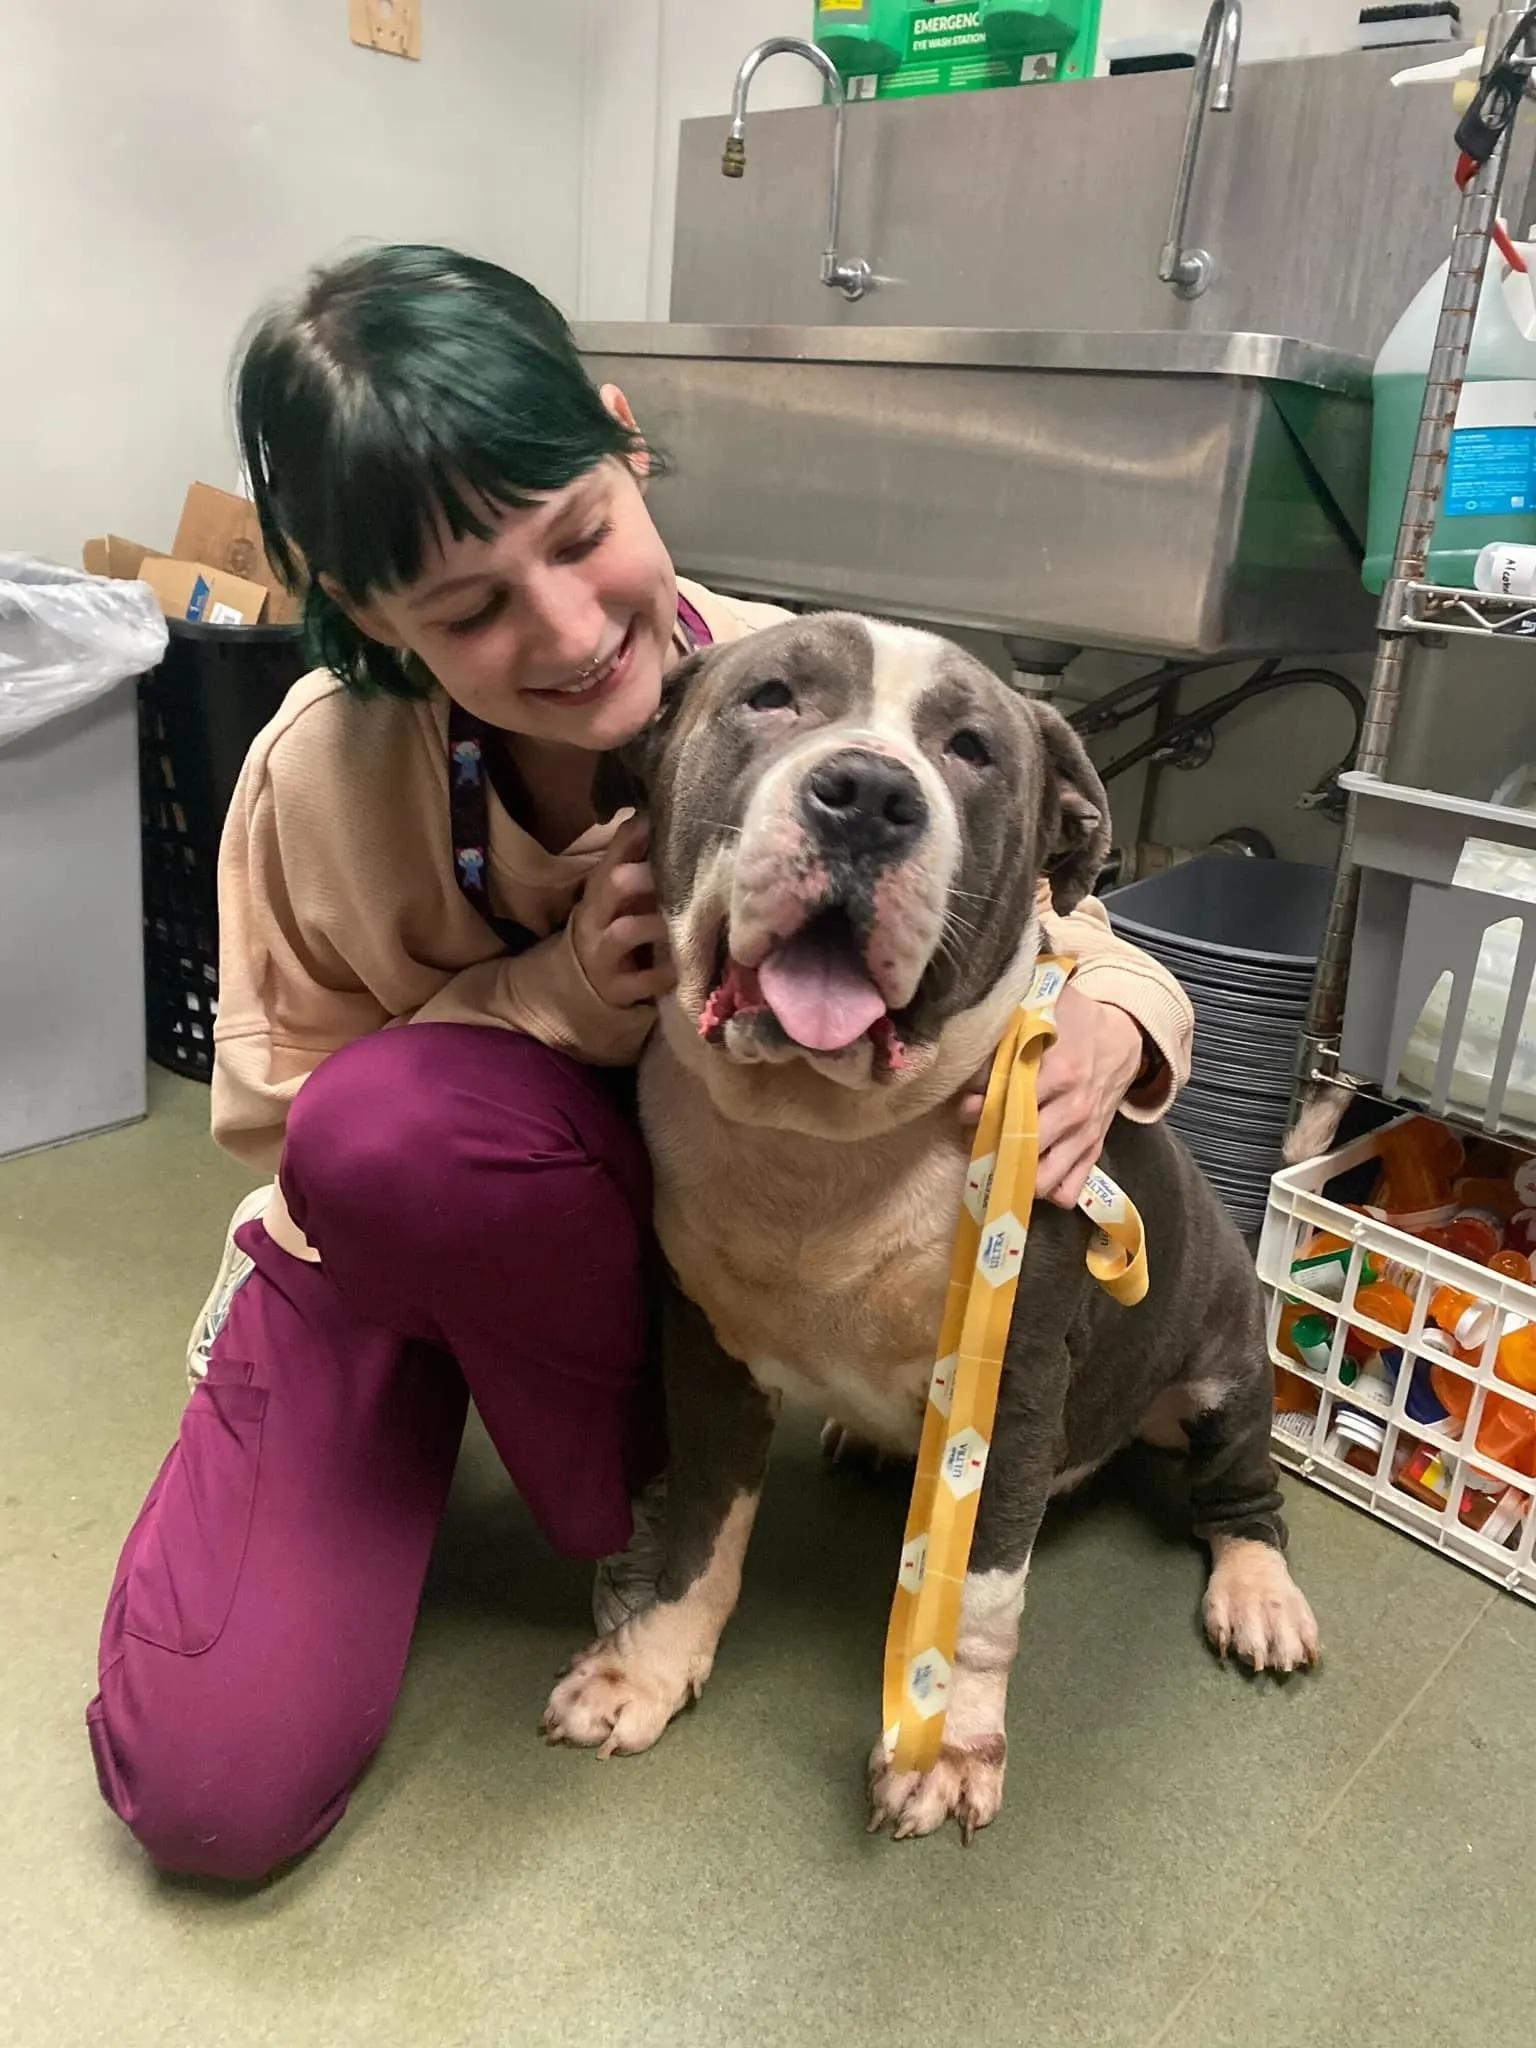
pixel 1298 1206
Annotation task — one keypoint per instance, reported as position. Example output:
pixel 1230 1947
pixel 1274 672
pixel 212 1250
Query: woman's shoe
pixel 625 1584
pixel 233 1268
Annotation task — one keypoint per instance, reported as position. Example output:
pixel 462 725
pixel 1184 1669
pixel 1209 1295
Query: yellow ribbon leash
pixel 962 1395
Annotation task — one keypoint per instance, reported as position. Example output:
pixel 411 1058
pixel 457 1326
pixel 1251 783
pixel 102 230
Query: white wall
pixel 653 64
pixel 164 169
pixel 1271 28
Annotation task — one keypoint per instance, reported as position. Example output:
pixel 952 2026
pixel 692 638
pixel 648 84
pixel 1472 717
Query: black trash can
pixel 198 713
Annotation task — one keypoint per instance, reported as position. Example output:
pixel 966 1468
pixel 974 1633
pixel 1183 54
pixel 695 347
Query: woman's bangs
pixel 424 480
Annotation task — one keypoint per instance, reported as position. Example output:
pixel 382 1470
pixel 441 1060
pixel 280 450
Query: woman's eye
pixel 774 695
pixel 589 543
pixel 969 746
pixel 475 620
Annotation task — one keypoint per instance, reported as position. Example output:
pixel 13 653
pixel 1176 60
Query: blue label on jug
pixel 1492 470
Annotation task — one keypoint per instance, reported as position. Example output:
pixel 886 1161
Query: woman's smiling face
pixel 558 627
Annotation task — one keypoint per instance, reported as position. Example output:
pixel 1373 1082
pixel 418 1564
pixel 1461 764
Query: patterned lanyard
pixel 477 758
pixel 967 1373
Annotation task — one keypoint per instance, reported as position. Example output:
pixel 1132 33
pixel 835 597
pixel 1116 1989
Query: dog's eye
pixel 774 695
pixel 970 746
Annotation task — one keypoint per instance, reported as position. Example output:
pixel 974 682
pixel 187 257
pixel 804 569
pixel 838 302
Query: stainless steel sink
pixel 1194 494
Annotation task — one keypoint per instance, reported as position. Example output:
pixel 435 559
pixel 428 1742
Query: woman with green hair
pixel 433 952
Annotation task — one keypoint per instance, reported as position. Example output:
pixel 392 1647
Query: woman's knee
pixel 421 1121
pixel 203 1801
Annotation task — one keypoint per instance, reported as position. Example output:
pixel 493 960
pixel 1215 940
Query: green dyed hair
pixel 405 387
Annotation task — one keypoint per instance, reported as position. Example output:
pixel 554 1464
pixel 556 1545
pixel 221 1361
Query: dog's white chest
pixel 888 1411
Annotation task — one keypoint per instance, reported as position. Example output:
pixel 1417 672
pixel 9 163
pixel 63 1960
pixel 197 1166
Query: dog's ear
pixel 1074 812
pixel 624 777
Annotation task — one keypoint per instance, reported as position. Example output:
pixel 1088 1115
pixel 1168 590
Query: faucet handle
pixel 850 275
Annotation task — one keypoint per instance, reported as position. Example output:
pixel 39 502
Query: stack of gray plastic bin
pixel 1242 936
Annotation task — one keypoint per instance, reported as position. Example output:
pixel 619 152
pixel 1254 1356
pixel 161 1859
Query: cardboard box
pixel 186 590
pixel 220 528
pixel 198 591
pixel 111 555
pixel 216 572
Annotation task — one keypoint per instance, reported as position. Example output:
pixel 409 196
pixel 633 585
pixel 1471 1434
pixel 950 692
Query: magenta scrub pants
pixel 481 1207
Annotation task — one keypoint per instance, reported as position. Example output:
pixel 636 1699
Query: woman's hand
pixel 1084 1078
pixel 619 934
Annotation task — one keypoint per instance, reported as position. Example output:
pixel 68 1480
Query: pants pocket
pixel 181 1584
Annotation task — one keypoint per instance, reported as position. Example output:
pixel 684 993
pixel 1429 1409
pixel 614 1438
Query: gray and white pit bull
pixel 848 824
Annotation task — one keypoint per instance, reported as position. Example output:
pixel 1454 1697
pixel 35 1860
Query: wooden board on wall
pixel 392 26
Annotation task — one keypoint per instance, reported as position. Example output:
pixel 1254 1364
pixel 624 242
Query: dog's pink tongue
pixel 819 993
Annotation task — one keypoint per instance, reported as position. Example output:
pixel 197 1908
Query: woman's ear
pixel 1074 812
pixel 614 399
pixel 363 616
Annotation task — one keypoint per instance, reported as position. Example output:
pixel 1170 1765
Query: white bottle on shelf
pixel 1506 568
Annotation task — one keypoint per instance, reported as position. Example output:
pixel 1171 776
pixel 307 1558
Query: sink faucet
pixel 1189 271
pixel 850 275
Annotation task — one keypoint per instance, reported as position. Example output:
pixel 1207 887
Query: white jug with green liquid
pixel 1490 479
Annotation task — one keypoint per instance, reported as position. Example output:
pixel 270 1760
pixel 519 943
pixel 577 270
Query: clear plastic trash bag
pixel 66 638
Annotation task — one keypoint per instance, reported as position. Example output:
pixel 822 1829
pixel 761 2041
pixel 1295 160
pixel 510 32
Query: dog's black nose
pixel 864 803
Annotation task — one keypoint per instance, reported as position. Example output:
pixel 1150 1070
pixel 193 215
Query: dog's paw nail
pixel 1255 1609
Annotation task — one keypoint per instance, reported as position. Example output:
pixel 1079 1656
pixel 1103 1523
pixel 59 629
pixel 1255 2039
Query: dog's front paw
pixel 1256 1610
pixel 967 1781
pixel 613 1702
pixel 615 1699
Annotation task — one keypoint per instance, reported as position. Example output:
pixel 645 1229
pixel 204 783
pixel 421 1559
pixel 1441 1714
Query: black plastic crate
pixel 198 713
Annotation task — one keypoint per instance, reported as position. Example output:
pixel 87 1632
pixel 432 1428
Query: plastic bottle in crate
pixel 1465 1319
pixel 1357 1440
pixel 1420 1471
pixel 1511 1265
pixel 1490 1508
pixel 1507 1431
pixel 1420 1161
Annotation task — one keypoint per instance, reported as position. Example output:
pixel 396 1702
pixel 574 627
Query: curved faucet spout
pixel 850 275
pixel 1189 270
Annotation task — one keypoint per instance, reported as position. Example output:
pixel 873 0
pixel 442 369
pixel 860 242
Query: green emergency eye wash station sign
pixel 889 49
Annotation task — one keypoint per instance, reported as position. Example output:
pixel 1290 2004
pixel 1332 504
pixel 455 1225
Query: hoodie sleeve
pixel 1112 971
